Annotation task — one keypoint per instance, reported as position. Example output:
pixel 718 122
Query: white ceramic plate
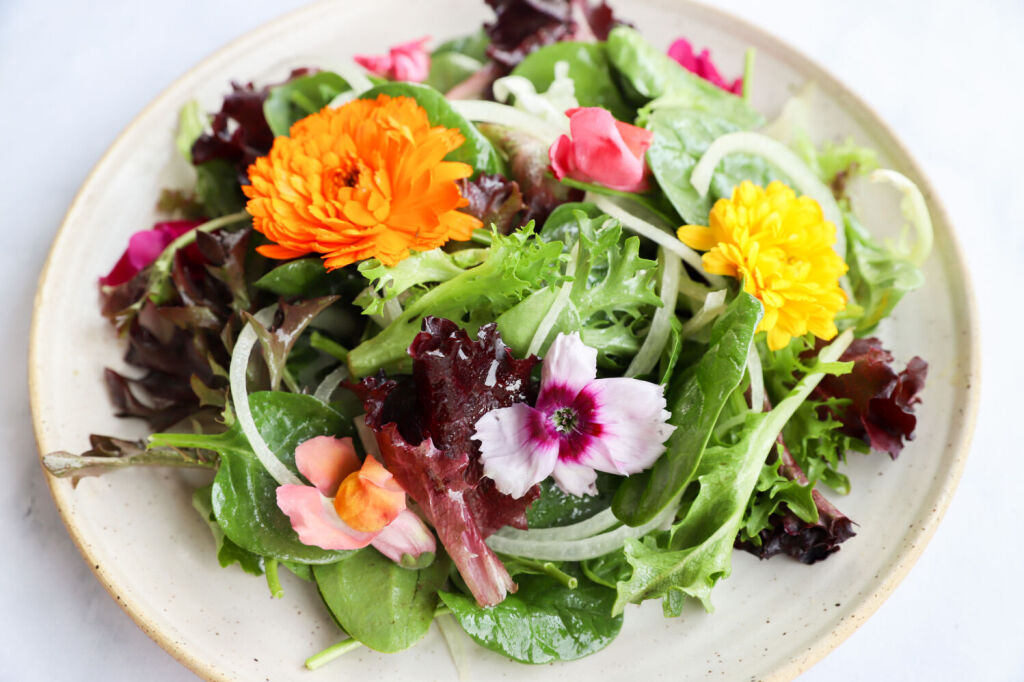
pixel 147 546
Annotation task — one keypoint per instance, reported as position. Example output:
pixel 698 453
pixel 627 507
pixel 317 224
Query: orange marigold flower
pixel 365 180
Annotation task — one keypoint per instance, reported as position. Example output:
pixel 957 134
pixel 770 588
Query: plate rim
pixel 918 539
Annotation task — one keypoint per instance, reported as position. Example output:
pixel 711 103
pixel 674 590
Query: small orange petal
pixel 369 499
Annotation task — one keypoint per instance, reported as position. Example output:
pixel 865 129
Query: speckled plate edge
pixel 918 540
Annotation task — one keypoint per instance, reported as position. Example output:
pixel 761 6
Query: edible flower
pixel 405 62
pixel 144 247
pixel 579 426
pixel 601 150
pixel 351 505
pixel 781 248
pixel 701 65
pixel 365 180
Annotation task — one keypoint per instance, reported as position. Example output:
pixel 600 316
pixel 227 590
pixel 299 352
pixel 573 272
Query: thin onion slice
pixel 914 208
pixel 757 393
pixel 655 234
pixel 577 550
pixel 785 160
pixel 714 305
pixel 561 299
pixel 661 323
pixel 353 75
pixel 330 383
pixel 597 523
pixel 240 399
pixel 502 114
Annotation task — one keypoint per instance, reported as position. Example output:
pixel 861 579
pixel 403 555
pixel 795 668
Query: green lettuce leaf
pixel 610 298
pixel 427 267
pixel 879 275
pixel 516 266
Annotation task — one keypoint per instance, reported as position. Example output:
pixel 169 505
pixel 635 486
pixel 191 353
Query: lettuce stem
pixel 332 652
pixel 273 580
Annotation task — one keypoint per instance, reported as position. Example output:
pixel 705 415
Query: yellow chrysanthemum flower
pixel 780 246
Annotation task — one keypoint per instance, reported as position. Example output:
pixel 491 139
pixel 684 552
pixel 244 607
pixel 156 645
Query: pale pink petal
pixel 633 425
pixel 406 535
pixel 574 478
pixel 315 521
pixel 569 365
pixel 515 449
pixel 326 461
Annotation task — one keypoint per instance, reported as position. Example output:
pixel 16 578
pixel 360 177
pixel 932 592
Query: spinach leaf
pixel 555 507
pixel 218 188
pixel 308 278
pixel 227 551
pixel 300 97
pixel 244 495
pixel 563 225
pixel 695 404
pixel 880 277
pixel 472 45
pixel 544 621
pixel 681 136
pixel 477 151
pixel 448 69
pixel 651 74
pixel 386 607
pixel 589 69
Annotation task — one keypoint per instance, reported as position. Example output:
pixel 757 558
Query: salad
pixel 512 333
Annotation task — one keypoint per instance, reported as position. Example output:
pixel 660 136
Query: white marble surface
pixel 945 75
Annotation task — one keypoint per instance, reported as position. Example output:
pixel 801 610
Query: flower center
pixel 565 420
pixel 344 175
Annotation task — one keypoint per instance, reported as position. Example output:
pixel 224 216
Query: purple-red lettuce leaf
pixel 424 426
pixel 495 200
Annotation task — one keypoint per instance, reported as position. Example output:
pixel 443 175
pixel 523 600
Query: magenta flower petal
pixel 313 517
pixel 682 52
pixel 326 461
pixel 515 448
pixel 602 151
pixel 407 534
pixel 143 248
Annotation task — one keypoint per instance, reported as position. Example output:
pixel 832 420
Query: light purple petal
pixel 568 366
pixel 633 425
pixel 515 449
pixel 575 479
pixel 314 520
pixel 407 534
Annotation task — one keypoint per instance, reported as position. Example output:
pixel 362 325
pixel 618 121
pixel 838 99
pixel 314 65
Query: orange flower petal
pixel 369 499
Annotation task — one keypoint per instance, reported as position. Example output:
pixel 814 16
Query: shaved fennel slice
pixel 354 76
pixel 240 399
pixel 655 234
pixel 561 299
pixel 502 114
pixel 782 158
pixel 757 393
pixel 457 640
pixel 577 550
pixel 597 523
pixel 915 209
pixel 661 323
pixel 714 305
pixel 330 383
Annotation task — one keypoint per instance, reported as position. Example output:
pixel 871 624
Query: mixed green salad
pixel 512 333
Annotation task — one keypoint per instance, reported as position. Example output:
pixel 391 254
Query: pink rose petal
pixel 405 62
pixel 682 52
pixel 601 150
